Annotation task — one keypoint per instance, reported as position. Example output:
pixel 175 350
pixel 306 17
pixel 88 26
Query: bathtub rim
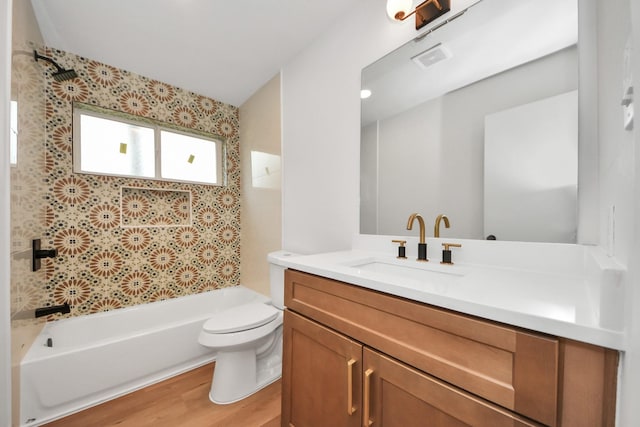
pixel 121 389
pixel 38 346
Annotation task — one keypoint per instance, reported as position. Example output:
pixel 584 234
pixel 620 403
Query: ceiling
pixel 224 49
pixel 491 37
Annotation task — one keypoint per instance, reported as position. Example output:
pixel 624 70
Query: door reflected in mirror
pixel 489 98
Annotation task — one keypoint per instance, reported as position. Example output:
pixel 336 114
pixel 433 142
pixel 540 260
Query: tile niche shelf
pixel 154 207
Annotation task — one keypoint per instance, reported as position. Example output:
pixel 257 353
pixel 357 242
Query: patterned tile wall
pixel 102 265
pixel 142 207
pixel 26 176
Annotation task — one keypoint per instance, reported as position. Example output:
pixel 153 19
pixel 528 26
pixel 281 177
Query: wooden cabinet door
pixel 396 395
pixel 322 376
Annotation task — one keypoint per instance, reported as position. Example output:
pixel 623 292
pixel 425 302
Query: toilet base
pixel 239 374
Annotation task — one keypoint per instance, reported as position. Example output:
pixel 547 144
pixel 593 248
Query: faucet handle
pixel 446 252
pixel 401 248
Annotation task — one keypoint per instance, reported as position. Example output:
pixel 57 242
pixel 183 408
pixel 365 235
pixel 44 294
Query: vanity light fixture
pixel 365 93
pixel 425 12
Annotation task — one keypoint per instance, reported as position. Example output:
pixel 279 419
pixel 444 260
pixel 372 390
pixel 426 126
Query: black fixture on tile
pixel 60 74
pixel 45 311
pixel 37 254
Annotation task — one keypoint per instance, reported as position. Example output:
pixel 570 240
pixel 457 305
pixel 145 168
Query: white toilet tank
pixel 276 277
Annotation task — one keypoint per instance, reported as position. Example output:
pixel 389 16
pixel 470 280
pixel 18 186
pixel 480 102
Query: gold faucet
pixel 420 221
pixel 436 227
pixel 422 246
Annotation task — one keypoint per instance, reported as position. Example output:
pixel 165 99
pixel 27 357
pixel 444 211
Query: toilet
pixel 248 339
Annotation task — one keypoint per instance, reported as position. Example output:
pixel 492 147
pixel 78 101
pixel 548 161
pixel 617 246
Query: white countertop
pixel 580 299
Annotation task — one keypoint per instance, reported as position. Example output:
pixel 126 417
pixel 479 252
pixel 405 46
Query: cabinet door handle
pixel 350 408
pixel 366 422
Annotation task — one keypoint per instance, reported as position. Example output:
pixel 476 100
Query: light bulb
pixel 398 9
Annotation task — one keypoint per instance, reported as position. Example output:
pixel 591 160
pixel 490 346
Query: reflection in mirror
pixel 474 103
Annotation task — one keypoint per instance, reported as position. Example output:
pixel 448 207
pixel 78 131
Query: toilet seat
pixel 243 325
pixel 241 318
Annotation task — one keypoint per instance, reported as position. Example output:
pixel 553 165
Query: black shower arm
pixel 37 56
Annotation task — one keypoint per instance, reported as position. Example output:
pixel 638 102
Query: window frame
pixel 80 109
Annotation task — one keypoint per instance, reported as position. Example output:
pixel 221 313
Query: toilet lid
pixel 240 318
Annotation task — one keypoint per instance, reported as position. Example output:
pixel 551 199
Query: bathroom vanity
pixel 355 355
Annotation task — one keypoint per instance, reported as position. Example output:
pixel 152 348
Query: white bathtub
pixel 97 357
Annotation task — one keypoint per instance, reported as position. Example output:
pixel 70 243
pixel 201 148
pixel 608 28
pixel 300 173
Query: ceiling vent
pixel 432 56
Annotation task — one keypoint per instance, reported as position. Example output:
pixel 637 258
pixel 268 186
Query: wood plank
pixel 181 401
pixel 535 377
pixel 588 388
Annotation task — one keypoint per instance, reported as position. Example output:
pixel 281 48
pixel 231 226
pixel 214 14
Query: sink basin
pixel 422 271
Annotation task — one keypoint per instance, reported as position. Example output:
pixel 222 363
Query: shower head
pixel 60 74
pixel 63 75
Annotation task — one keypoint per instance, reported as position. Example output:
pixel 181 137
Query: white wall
pixel 321 140
pixel 619 164
pixel 629 414
pixel 321 126
pixel 261 215
pixel 5 238
pixel 616 166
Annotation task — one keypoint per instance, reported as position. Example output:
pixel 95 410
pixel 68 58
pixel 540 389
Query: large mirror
pixel 477 120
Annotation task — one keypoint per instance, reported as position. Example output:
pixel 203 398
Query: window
pixel 108 142
pixel 181 154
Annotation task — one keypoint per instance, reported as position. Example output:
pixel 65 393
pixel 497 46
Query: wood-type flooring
pixel 181 401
